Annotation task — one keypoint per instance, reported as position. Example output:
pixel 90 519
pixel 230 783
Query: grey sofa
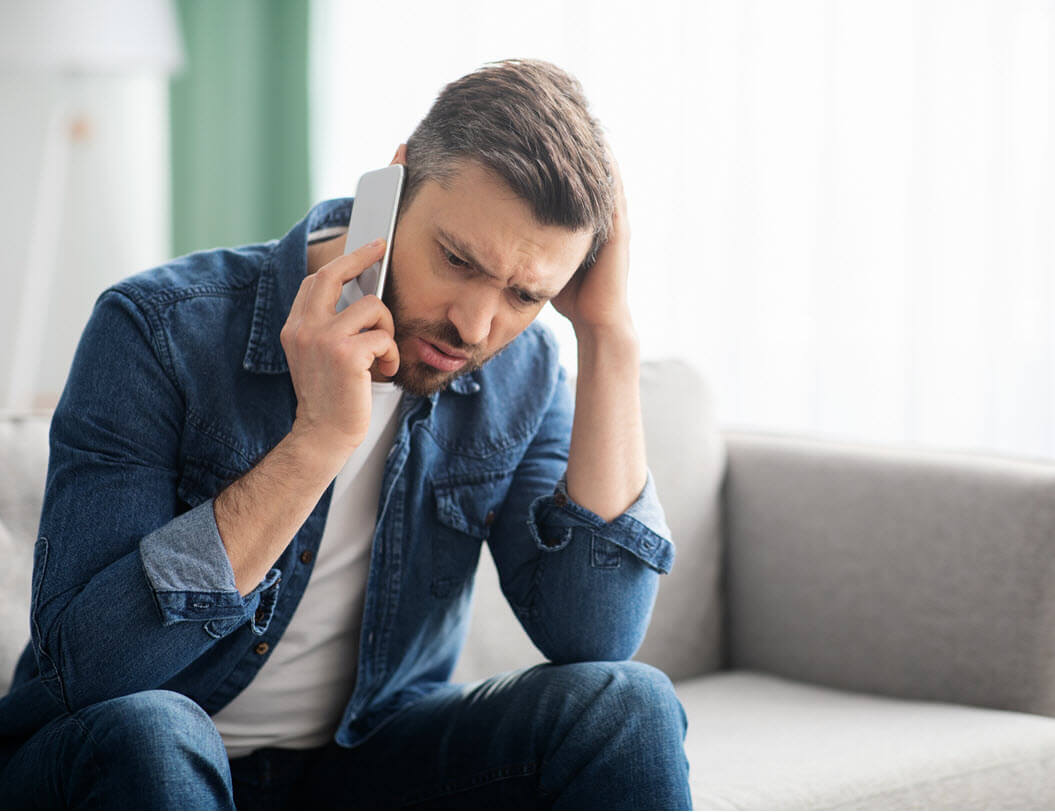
pixel 848 627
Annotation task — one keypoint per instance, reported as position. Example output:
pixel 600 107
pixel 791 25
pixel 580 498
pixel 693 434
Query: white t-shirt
pixel 297 698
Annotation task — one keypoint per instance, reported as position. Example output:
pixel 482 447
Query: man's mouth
pixel 440 356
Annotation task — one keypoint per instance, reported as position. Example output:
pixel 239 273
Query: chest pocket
pixel 466 506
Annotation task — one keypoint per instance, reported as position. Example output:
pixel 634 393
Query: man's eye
pixel 454 260
pixel 526 298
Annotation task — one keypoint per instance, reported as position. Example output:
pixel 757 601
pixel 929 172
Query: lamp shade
pixel 90 36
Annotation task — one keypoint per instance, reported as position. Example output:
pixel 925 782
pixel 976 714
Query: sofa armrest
pixel 910 574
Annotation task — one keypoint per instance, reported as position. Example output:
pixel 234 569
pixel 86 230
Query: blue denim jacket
pixel 179 386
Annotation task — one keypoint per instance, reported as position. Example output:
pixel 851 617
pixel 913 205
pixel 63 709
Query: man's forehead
pixel 516 260
pixel 477 208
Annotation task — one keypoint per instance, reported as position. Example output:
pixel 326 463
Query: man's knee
pixel 156 733
pixel 619 741
pixel 630 692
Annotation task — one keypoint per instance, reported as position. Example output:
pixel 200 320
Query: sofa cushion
pixel 762 742
pixel 23 465
pixel 686 455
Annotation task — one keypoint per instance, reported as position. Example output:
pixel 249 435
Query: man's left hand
pixel 597 298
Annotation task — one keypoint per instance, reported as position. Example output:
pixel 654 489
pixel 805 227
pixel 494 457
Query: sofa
pixel 848 627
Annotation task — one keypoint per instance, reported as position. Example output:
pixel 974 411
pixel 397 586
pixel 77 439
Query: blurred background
pixel 842 210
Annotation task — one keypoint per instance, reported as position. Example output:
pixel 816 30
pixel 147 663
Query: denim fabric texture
pixel 576 736
pixel 178 387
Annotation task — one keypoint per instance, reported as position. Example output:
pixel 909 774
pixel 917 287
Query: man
pixel 262 516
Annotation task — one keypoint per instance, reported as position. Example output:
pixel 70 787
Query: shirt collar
pixel 283 271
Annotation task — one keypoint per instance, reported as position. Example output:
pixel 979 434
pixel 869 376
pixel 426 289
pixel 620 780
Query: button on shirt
pixel 179 386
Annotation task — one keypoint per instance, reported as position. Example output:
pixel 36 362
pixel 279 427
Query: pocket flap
pixel 468 503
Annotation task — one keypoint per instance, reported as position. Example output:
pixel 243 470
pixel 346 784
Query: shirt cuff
pixel 641 529
pixel 188 570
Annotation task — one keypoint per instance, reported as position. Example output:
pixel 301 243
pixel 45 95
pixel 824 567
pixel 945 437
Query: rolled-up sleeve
pixel 191 576
pixel 641 529
pixel 582 588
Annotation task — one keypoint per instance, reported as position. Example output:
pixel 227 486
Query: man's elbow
pixel 590 646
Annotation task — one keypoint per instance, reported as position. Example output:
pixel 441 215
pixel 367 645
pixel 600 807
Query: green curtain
pixel 240 122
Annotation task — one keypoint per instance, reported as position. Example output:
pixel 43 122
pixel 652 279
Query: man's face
pixel 470 270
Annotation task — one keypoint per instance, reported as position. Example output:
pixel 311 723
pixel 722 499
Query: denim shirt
pixel 179 386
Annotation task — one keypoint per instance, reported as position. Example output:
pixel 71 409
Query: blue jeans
pixel 580 736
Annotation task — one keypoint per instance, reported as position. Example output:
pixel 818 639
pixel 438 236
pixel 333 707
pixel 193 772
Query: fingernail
pixel 377 242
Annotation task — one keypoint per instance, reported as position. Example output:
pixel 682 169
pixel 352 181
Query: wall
pixel 112 220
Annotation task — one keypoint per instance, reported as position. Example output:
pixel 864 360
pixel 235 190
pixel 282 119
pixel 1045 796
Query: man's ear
pixel 401 155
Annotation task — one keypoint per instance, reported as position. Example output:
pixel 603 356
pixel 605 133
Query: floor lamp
pixel 67 39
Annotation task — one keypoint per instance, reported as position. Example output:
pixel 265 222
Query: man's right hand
pixel 330 354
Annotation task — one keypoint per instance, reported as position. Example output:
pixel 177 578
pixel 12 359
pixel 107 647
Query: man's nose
pixel 473 313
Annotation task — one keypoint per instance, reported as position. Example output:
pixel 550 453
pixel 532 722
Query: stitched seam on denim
pixel 211 467
pixel 585 707
pixel 470 478
pixel 449 511
pixel 171 296
pixel 532 610
pixel 214 433
pixel 156 338
pixel 215 634
pixel 492 776
pixel 478 451
pixel 91 739
pixel 337 217
pixel 39 649
pixel 602 559
pixel 259 330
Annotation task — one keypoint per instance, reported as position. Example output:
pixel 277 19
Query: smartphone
pixel 373 215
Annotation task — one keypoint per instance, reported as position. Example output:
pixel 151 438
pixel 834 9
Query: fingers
pixel 296 312
pixel 323 294
pixel 368 313
pixel 380 346
pixel 365 330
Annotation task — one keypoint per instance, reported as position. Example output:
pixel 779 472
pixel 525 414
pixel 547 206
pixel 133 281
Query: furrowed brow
pixel 466 253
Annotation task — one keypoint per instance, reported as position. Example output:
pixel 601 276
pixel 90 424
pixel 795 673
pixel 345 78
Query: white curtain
pixel 842 209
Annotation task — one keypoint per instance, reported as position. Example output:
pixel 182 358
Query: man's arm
pixel 330 355
pixel 581 586
pixel 584 578
pixel 126 593
pixel 606 462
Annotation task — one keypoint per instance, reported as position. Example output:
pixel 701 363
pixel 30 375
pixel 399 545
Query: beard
pixel 414 376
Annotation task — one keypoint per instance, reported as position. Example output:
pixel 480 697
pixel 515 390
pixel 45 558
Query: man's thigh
pixel 526 739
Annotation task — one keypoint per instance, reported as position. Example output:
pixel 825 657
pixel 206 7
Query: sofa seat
pixel 762 742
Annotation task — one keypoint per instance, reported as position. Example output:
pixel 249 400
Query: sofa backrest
pixel 23 465
pixel 917 574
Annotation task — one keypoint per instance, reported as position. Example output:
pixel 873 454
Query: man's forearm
pixel 259 514
pixel 606 461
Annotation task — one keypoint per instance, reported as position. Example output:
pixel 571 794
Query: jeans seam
pixel 95 746
pixel 611 677
pixel 481 779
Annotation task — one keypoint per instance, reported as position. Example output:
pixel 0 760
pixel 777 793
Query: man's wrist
pixel 616 343
pixel 619 323
pixel 317 450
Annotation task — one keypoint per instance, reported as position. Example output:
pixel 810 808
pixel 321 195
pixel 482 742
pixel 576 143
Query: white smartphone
pixel 373 215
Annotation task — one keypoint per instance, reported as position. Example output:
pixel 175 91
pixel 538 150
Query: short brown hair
pixel 527 121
